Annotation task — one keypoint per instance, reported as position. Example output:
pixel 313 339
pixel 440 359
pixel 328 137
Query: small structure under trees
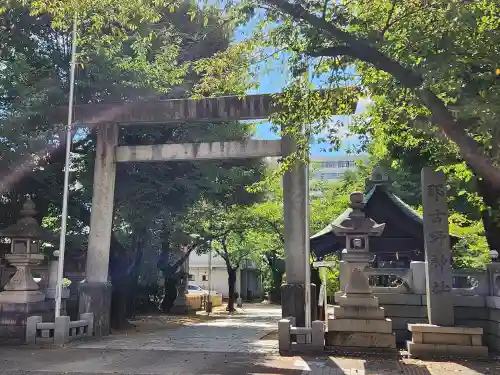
pixel 402 240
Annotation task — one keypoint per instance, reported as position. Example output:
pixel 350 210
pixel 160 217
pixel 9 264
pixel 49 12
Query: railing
pixel 412 280
pixel 390 280
pixel 59 332
pixel 292 338
pixel 470 282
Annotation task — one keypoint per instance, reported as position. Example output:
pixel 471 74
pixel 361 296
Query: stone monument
pixel 21 296
pixel 440 336
pixel 358 322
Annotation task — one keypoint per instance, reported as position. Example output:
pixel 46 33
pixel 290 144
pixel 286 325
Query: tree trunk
pixel 121 283
pixel 491 218
pixel 170 294
pixel 123 269
pixel 277 268
pixel 277 280
pixel 231 281
pixel 139 244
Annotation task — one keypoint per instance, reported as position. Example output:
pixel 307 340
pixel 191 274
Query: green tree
pixel 266 223
pixel 418 61
pixel 35 55
pixel 226 227
pixel 394 40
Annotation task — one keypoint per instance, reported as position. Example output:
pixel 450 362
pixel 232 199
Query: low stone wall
pixel 491 322
pixel 59 332
pixel 470 311
pixel 477 300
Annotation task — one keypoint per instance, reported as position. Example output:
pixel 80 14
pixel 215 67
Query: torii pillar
pixel 95 292
pixel 295 198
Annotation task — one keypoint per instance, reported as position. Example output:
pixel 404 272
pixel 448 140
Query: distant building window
pixel 204 278
pixel 329 164
pixel 191 277
pixel 331 175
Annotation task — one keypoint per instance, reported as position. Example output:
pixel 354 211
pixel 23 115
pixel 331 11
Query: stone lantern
pixel 25 236
pixel 357 229
pixel 358 321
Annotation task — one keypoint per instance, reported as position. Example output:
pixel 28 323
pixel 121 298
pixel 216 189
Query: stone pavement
pixel 240 333
pixel 231 345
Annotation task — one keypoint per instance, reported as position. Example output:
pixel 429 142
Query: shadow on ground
pixel 155 322
pixel 89 362
pixel 392 365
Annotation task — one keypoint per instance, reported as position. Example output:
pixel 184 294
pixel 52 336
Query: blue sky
pixel 273 76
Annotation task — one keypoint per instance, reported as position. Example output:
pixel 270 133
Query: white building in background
pixel 328 168
pixel 248 278
pixel 332 168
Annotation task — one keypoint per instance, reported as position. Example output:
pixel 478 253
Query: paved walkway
pixel 227 346
pixel 240 333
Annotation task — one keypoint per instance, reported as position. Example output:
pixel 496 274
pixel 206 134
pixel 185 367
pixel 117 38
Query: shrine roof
pixel 384 207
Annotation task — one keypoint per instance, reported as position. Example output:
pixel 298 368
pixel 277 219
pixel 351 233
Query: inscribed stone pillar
pixel 437 249
pixel 95 293
pixel 294 206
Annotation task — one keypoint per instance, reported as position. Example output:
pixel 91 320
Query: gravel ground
pixel 230 344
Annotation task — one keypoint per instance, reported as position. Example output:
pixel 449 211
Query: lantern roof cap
pixel 27 226
pixel 356 222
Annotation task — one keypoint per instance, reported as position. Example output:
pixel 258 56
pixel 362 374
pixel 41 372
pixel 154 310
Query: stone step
pixel 417 350
pixel 432 328
pixel 359 312
pixel 360 325
pixel 366 301
pixel 361 339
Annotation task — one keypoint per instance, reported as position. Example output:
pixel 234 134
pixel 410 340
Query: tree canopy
pixel 151 199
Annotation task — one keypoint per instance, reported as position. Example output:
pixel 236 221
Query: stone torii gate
pixel 95 293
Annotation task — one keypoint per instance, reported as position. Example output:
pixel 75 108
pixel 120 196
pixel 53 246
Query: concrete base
pixel 180 306
pixel 430 340
pixel 96 298
pixel 292 303
pixel 358 312
pixel 372 340
pixel 360 325
pixel 13 318
pixel 362 300
pixel 21 296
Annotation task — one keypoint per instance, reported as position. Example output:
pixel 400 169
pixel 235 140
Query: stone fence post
pixel 31 323
pixel 418 275
pixel 493 270
pixel 61 330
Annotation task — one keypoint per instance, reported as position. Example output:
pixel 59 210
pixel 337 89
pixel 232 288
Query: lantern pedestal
pixel 22 288
pixel 13 318
pixel 21 296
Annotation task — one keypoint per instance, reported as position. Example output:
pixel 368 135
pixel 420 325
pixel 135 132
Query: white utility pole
pixel 325 296
pixel 210 275
pixel 67 165
pixel 307 286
